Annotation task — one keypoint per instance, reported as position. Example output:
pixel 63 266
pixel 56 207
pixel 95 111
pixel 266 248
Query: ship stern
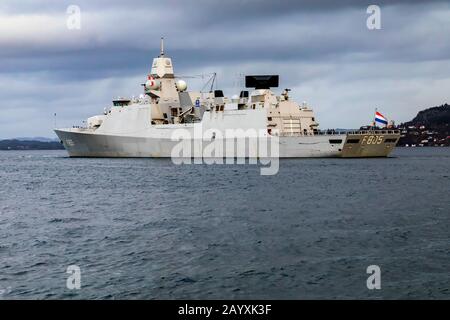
pixel 365 144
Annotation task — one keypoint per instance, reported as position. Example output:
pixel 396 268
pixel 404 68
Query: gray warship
pixel 148 126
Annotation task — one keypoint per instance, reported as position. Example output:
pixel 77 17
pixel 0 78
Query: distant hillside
pixel 430 127
pixel 42 139
pixel 15 144
pixel 432 117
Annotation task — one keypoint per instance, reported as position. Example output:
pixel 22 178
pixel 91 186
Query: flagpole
pixel 374 119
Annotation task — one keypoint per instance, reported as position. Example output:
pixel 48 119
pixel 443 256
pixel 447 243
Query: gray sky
pixel 322 50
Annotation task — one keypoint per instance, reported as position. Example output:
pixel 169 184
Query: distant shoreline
pixel 26 145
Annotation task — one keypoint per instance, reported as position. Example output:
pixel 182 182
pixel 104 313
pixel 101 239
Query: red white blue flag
pixel 380 118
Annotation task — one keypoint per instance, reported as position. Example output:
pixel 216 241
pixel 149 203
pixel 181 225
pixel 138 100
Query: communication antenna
pixel 237 81
pixel 161 54
pixel 210 82
pixel 213 80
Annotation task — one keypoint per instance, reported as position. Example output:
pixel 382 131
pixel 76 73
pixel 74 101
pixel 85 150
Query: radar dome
pixel 181 85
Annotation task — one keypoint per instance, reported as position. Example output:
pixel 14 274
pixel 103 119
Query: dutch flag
pixel 380 118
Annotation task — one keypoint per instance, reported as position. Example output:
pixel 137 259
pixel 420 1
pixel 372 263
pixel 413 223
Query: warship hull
pixel 348 145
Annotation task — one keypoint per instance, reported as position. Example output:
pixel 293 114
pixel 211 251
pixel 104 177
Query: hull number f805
pixel 372 140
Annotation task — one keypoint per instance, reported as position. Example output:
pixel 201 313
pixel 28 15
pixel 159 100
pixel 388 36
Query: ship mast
pixel 161 54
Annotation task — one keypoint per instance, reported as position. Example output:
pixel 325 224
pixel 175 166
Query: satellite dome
pixel 181 85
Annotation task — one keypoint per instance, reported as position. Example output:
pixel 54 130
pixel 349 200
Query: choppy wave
pixel 145 228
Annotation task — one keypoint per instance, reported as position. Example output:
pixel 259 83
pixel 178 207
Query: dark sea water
pixel 145 228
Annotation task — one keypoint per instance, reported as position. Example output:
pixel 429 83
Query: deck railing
pixel 337 133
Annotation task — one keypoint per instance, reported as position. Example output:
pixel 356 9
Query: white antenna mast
pixel 162 47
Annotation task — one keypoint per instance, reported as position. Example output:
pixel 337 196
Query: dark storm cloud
pixel 214 33
pixel 241 8
pixel 312 44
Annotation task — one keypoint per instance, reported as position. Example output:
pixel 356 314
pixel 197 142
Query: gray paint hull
pixel 79 144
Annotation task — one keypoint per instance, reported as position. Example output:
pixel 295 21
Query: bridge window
pixel 335 141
